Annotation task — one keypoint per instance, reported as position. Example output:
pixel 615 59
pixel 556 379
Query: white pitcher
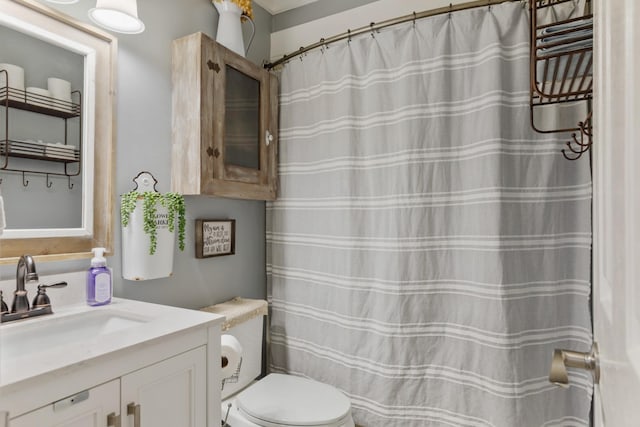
pixel 229 26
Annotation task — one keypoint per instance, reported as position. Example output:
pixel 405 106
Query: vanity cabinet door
pixel 96 407
pixel 225 122
pixel 169 393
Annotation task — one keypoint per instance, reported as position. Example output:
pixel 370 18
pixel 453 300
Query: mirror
pixel 57 206
pixel 39 140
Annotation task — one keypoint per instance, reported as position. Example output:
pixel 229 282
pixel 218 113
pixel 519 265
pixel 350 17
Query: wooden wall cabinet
pixel 224 122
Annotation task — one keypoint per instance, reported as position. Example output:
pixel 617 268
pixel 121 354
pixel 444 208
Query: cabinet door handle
pixel 133 409
pixel 113 420
pixel 268 138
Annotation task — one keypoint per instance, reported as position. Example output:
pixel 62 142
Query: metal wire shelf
pixel 561 70
pixel 12 98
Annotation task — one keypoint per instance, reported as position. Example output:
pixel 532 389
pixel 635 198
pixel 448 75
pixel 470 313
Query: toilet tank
pixel 244 321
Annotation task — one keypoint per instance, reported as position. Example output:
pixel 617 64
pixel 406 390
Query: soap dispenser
pixel 99 283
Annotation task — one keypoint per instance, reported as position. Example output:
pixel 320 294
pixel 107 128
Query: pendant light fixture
pixel 120 16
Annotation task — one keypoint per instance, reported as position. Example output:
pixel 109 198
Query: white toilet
pixel 276 400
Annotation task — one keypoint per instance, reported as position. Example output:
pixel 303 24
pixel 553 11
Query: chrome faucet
pixel 26 273
pixel 20 309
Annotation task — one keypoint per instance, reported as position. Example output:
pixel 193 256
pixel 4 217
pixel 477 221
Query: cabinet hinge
pixel 213 66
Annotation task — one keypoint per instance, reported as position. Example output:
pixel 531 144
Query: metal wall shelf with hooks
pixel 561 64
pixel 68 156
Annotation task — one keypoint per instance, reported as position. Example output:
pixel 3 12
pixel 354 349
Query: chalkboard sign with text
pixel 215 237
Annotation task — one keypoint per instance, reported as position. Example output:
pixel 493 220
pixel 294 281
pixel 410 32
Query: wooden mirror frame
pixel 105 46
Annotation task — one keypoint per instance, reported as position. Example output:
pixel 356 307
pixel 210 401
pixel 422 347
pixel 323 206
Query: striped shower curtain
pixel 428 250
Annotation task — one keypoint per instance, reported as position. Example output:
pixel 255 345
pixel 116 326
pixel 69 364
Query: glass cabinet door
pixel 242 120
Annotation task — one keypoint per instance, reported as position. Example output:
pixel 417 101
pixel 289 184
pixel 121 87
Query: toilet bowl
pixel 277 400
pixel 280 400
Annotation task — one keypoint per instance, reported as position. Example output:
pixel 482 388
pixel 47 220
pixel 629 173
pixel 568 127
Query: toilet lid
pixel 293 401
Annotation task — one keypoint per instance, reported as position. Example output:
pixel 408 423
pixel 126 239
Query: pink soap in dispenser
pixel 99 284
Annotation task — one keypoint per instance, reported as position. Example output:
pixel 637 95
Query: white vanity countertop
pixel 48 347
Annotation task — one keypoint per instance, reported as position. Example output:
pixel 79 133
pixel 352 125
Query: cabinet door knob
pixel 268 138
pixel 113 420
pixel 133 409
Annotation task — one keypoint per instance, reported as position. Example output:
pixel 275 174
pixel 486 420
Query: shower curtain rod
pixel 376 26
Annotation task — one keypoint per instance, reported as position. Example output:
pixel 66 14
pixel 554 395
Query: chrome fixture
pixel 20 309
pixel 42 299
pixel 563 359
pixel 3 305
pixel 26 273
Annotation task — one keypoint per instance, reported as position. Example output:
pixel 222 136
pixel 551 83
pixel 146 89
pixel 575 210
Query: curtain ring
pixel 24 182
pixel 450 9
pixel 414 19
pixel 489 4
pixel 324 46
pixel 372 30
pixel 349 33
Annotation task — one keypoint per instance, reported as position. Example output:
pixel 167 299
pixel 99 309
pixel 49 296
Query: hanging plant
pixel 173 202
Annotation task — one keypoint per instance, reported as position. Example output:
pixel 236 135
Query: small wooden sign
pixel 215 237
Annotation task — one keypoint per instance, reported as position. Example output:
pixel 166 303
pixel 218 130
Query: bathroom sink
pixel 29 336
pixel 77 336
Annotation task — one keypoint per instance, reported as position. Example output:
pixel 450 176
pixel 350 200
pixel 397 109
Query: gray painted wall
pixel 144 143
pixel 313 11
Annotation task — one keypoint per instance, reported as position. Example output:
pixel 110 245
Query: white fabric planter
pixel 137 263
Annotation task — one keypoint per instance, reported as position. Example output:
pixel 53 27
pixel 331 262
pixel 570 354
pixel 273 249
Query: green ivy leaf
pixel 173 202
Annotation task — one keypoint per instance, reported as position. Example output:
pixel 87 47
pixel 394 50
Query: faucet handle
pixel 53 285
pixel 42 299
pixel 4 308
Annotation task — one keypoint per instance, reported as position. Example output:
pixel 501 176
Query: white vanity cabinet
pixel 159 366
pixel 169 393
pixel 89 408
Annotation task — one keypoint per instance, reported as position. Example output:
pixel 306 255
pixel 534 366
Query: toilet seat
pixel 285 400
